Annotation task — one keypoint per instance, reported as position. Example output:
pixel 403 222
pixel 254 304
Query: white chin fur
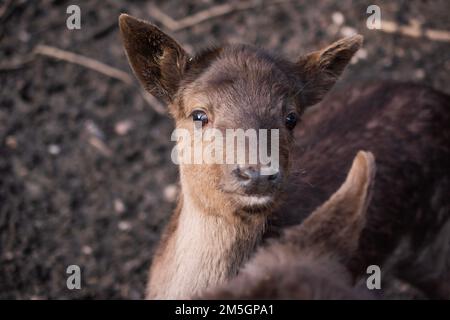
pixel 252 201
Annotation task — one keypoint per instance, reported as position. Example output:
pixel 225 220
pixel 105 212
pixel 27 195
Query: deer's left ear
pixel 319 70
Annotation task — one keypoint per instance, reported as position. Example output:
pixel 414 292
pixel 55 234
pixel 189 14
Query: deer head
pixel 232 87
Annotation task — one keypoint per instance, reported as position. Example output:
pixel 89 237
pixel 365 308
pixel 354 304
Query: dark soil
pixel 85 170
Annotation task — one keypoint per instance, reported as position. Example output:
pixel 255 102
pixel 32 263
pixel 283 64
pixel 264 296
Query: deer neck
pixel 203 249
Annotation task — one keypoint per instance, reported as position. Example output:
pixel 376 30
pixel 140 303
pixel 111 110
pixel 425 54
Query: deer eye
pixel 199 115
pixel 291 120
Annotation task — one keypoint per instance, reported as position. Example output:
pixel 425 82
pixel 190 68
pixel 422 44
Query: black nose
pixel 252 175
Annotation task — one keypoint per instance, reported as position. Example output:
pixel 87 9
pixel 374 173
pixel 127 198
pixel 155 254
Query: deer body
pixel 406 126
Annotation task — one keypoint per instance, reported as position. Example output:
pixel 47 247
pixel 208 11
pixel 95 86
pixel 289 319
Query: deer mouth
pixel 255 200
pixel 255 203
pixel 252 202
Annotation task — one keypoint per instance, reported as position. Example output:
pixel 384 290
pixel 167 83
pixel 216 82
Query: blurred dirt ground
pixel 85 170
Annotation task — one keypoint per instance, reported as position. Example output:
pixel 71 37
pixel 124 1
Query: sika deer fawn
pixel 224 209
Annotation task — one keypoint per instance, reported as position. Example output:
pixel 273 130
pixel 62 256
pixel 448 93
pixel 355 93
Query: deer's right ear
pixel 157 60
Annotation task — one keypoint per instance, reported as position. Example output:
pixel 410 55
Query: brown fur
pixel 407 128
pixel 240 86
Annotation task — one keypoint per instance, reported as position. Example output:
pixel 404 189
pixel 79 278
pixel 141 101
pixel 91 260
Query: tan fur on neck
pixel 205 249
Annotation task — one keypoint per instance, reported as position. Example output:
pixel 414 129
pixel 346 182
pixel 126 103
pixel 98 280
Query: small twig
pixel 83 61
pixel 166 20
pixel 415 31
pixel 96 66
pixel 100 146
pixel 207 14
pixel 86 62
